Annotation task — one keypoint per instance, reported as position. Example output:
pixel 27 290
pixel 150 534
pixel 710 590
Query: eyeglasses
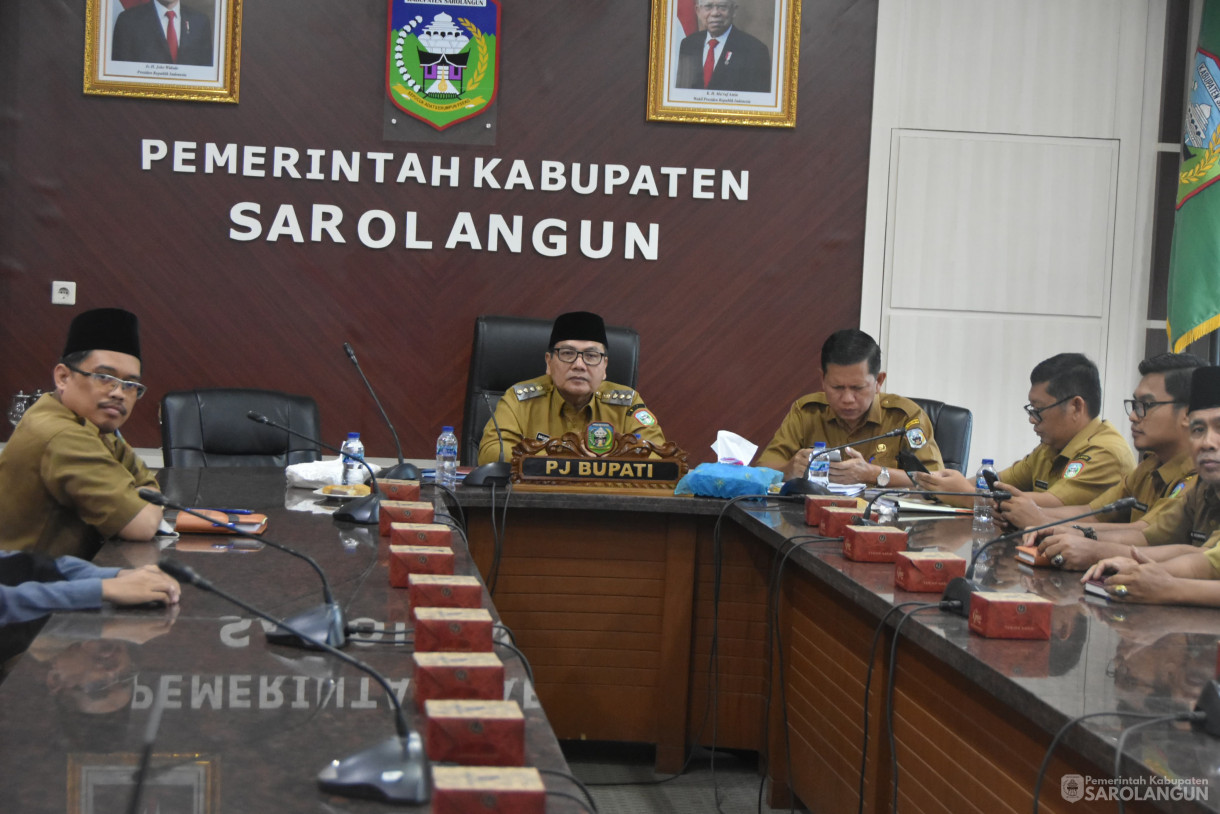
pixel 108 382
pixel 592 358
pixel 1036 412
pixel 1141 408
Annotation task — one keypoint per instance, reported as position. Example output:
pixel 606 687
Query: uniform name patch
pixel 1198 537
pixel 1042 485
pixel 1073 469
pixel 542 436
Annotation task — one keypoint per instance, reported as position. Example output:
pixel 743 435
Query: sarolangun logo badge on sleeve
pixel 1073 469
pixel 443 58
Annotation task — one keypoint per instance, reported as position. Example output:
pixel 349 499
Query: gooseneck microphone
pixel 402 470
pixel 496 472
pixel 364 510
pixel 994 494
pixel 395 770
pixel 801 485
pixel 323 622
pixel 959 589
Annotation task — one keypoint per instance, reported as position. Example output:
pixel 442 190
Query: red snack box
pixel 418 559
pixel 475 733
pixel 815 503
pixel 463 789
pixel 835 519
pixel 873 543
pixel 458 676
pixel 927 571
pixel 403 511
pixel 1004 615
pixel 391 489
pixel 420 534
pixel 443 591
pixel 460 630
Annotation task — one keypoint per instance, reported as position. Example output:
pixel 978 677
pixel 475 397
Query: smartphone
pixel 990 477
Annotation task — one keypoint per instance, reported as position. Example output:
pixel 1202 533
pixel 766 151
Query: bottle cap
pixel 819 444
pixel 353 435
pixel 446 428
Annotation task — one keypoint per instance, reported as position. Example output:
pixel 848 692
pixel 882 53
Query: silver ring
pixel 1120 591
pixel 1057 560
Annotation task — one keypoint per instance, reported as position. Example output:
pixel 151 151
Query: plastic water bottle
pixel 984 526
pixel 446 458
pixel 353 452
pixel 819 465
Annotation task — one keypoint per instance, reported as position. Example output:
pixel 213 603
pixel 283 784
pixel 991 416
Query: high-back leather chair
pixel 951 427
pixel 210 428
pixel 508 350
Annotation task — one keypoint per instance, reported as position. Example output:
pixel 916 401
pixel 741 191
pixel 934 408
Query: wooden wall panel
pixel 731 314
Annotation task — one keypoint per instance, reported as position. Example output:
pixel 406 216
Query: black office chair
pixel 952 427
pixel 210 428
pixel 508 350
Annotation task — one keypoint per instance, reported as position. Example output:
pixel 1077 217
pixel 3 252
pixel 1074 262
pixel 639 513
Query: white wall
pixel 1010 188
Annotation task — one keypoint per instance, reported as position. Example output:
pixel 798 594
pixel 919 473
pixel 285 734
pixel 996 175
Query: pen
pixel 227 511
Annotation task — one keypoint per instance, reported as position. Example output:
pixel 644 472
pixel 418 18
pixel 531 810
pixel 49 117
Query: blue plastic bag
pixel 727 480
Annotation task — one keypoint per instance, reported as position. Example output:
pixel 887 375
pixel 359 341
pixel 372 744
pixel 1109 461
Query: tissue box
pixel 475 733
pixel 873 543
pixel 927 571
pixel 836 519
pixel 420 534
pixel 1004 615
pixel 391 489
pixel 463 789
pixel 418 559
pixel 403 511
pixel 464 630
pixel 815 503
pixel 443 591
pixel 458 676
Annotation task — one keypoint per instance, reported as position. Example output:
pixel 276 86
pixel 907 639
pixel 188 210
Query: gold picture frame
pixel 100 783
pixel 753 71
pixel 127 53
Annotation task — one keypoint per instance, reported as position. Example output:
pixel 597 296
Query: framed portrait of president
pixel 163 49
pixel 724 61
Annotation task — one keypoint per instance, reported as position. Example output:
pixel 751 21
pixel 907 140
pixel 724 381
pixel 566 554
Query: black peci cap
pixel 580 325
pixel 104 329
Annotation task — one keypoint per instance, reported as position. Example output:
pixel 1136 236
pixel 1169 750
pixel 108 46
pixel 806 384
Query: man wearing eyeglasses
pixel 1080 456
pixel 572 395
pixel 68 480
pixel 1158 417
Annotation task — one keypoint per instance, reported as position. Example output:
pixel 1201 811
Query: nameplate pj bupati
pixel 570 461
pixel 548 468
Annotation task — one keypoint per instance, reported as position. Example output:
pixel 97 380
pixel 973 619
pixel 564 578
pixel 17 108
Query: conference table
pixel 244 726
pixel 654 619
pixel 659 619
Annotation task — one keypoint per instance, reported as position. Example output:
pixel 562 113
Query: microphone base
pixel 323 622
pixel 495 473
pixel 363 510
pixel 402 471
pixel 393 771
pixel 959 589
pixel 803 486
pixel 1209 703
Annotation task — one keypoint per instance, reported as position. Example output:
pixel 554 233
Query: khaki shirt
pixel 534 409
pixel 1193 519
pixel 1151 483
pixel 65 485
pixel 813 419
pixel 1094 460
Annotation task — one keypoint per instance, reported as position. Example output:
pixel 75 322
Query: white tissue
pixel 731 448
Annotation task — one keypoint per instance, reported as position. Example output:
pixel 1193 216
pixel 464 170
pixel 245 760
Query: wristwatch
pixel 883 477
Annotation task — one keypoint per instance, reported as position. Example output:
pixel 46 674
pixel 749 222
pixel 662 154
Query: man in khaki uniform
pixel 1159 418
pixel 571 396
pixel 67 478
pixel 1186 569
pixel 1080 456
pixel 852 407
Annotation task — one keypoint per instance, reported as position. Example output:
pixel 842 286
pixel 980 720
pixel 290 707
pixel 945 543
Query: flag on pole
pixel 1194 261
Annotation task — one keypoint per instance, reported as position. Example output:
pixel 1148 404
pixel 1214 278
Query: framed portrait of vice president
pixel 163 49
pixel 724 61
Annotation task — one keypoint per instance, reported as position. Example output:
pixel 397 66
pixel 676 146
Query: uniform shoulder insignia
pixel 893 401
pixel 619 398
pixel 527 391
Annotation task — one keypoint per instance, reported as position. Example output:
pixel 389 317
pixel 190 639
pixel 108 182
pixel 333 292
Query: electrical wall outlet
pixel 63 292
